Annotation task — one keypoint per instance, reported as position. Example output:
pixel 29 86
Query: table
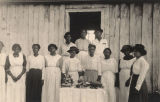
pixel 82 95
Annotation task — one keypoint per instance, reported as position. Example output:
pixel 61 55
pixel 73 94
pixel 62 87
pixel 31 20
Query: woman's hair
pixel 140 48
pixel 99 30
pixel 108 50
pixel 127 48
pixel 36 45
pixel 52 45
pixel 16 45
pixel 66 34
pixel 91 45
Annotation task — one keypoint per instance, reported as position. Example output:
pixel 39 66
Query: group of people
pixel 37 78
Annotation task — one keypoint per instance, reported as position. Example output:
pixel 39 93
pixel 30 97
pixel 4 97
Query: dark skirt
pixel 34 85
pixel 138 96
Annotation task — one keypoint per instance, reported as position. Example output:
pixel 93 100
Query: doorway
pixel 83 20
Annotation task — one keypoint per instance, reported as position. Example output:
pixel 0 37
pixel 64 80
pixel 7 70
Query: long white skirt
pixel 82 56
pixel 2 84
pixel 16 90
pixel 124 91
pixel 51 88
pixel 108 81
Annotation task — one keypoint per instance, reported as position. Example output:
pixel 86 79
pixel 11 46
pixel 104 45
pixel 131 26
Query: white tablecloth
pixel 82 95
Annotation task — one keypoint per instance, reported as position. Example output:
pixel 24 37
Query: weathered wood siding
pixel 123 24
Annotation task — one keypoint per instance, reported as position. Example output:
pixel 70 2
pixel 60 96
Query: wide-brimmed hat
pixel 127 48
pixel 140 48
pixel 73 48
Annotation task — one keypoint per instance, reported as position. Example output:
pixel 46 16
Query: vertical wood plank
pixel 56 23
pixel 147 38
pixel 106 23
pixel 4 31
pixel 26 30
pixel 61 24
pixel 124 26
pixel 51 24
pixel 46 29
pixel 35 24
pixel 41 28
pixel 31 27
pixel 156 47
pixel 114 30
pixel 135 23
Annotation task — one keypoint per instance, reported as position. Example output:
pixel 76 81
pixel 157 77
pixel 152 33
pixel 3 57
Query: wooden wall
pixel 123 24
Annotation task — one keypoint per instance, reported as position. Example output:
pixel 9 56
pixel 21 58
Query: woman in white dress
pixel 109 67
pixel 82 44
pixel 16 67
pixel 125 67
pixel 52 77
pixel 72 66
pixel 2 74
pixel 34 80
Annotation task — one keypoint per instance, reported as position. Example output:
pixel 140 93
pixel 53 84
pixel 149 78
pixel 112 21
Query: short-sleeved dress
pixel 52 79
pixel 2 77
pixel 109 67
pixel 72 66
pixel 16 90
pixel 125 66
pixel 36 66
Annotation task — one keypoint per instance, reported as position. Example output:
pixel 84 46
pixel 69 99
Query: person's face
pixel 17 50
pixel 92 50
pixel 35 49
pixel 107 53
pixel 68 38
pixel 83 34
pixel 52 49
pixel 137 54
pixel 1 46
pixel 98 34
pixel 72 54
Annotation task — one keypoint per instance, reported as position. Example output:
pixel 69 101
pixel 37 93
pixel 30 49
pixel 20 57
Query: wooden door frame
pixel 67 18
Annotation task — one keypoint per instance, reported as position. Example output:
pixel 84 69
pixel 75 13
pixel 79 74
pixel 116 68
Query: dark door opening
pixel 83 20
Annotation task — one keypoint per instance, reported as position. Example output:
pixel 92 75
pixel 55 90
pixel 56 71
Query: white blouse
pixel 64 48
pixel 140 67
pixel 109 65
pixel 36 62
pixel 100 46
pixel 2 59
pixel 82 44
pixel 93 63
pixel 126 64
pixel 52 61
pixel 71 65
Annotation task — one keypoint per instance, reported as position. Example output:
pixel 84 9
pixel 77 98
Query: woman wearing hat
pixel 125 66
pixel 52 76
pixel 138 87
pixel 2 73
pixel 16 67
pixel 72 66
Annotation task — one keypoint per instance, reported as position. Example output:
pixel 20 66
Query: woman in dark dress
pixel 35 76
pixel 138 87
